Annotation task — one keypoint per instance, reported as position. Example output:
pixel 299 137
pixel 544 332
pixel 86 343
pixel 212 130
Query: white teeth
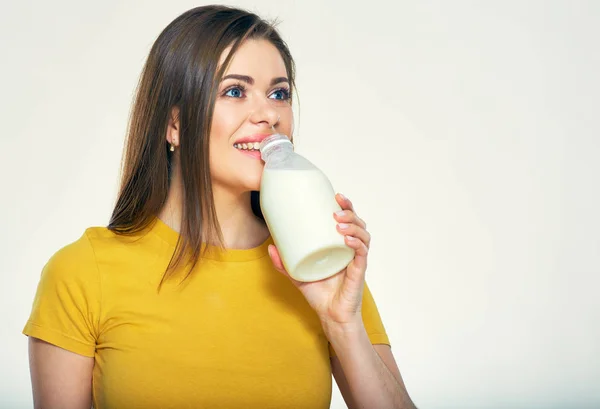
pixel 247 146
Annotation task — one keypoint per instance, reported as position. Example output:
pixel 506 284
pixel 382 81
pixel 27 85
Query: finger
pixel 358 266
pixel 276 259
pixel 278 264
pixel 346 205
pixel 348 216
pixel 359 247
pixel 354 230
pixel 344 202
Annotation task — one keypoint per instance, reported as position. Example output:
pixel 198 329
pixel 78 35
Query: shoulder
pixel 81 255
pixel 99 252
pixel 72 260
pixel 84 248
pixel 80 258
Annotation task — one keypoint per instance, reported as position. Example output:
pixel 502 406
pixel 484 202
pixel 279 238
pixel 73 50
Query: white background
pixel 465 132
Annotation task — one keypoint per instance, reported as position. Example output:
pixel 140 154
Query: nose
pixel 264 112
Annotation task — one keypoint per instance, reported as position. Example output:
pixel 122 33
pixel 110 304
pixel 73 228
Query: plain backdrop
pixel 465 132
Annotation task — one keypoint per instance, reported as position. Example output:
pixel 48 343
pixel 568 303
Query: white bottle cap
pixel 272 141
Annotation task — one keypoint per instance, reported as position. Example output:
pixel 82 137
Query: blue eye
pixel 281 94
pixel 234 92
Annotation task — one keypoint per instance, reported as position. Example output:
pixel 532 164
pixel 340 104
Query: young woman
pixel 182 300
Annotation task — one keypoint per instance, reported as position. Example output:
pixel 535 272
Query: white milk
pixel 298 205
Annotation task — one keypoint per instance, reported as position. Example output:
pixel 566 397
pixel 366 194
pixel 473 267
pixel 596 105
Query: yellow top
pixel 236 334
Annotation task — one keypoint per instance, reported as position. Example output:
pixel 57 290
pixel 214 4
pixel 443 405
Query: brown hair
pixel 182 71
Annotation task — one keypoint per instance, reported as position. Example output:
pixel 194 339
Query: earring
pixel 172 149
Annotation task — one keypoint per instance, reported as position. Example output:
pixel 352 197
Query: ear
pixel 173 127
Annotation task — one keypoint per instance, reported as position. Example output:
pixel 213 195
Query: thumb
pixel 278 263
pixel 276 259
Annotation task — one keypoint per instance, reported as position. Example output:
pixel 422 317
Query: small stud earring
pixel 172 149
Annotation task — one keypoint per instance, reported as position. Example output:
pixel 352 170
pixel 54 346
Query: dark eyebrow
pixel 250 80
pixel 279 80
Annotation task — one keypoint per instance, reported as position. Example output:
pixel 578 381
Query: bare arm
pixel 367 375
pixel 59 378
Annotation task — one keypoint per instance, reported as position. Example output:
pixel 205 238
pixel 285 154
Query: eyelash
pixel 242 87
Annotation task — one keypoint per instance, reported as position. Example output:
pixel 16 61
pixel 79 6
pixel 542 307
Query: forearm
pixel 371 383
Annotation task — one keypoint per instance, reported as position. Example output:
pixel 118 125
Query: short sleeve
pixel 66 306
pixel 372 321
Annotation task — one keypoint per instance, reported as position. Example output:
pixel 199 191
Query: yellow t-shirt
pixel 236 334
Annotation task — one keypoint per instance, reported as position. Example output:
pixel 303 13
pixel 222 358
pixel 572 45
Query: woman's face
pixel 252 98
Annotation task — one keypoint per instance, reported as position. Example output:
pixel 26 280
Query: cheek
pixel 224 123
pixel 223 126
pixel 286 122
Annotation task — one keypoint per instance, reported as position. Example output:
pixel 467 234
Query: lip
pixel 252 154
pixel 259 137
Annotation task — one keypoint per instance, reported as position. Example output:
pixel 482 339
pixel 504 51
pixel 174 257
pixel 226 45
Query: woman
pixel 177 303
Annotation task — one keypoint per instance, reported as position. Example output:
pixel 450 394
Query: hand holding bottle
pixel 337 300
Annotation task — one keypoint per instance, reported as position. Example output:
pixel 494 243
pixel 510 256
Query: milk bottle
pixel 298 202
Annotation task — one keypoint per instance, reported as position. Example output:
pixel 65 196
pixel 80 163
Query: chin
pixel 250 182
pixel 250 177
pixel 252 187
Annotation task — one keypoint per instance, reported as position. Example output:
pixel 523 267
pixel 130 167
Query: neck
pixel 240 228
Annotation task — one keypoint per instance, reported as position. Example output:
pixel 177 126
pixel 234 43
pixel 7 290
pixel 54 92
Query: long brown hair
pixel 182 71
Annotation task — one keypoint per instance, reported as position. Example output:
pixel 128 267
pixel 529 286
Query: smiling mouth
pixel 251 146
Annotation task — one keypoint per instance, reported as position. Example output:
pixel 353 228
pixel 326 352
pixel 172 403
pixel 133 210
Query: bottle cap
pixel 274 140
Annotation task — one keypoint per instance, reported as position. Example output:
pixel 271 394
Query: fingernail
pixel 343 226
pixel 340 213
pixel 342 196
pixel 350 238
